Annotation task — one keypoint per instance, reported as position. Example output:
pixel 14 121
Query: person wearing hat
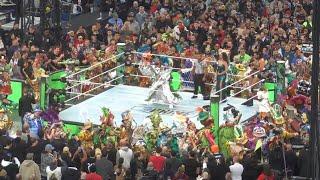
pixel 35 121
pixel 29 169
pixel 47 158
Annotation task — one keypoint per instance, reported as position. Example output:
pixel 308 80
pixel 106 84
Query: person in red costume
pixel 5 87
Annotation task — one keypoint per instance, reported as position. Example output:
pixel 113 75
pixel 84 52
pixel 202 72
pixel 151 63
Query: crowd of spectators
pixel 255 34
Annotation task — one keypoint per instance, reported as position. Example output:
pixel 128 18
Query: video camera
pixel 233 110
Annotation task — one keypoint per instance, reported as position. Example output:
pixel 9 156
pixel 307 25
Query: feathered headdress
pixel 107 117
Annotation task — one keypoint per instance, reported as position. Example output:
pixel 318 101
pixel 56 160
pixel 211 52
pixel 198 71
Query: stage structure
pixel 28 13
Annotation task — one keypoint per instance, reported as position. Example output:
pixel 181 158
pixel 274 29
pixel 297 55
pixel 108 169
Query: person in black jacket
pixel 25 104
pixel 18 148
pixel 172 165
pixel 70 173
pixel 11 165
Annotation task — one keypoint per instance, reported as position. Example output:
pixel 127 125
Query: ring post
pixel 43 83
pixel 272 91
pixel 214 109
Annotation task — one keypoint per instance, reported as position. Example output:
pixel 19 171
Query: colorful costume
pixel 160 90
pixel 205 135
pixel 5 122
pixel 86 135
pixel 35 123
pixel 5 86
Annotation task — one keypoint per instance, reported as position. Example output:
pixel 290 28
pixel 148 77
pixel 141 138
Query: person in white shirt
pixel 53 171
pixel 264 105
pixel 236 169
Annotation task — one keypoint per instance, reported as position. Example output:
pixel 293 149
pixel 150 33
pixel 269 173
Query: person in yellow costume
pixel 86 135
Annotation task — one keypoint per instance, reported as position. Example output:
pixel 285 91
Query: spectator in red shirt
pixel 157 160
pixel 266 174
pixel 93 175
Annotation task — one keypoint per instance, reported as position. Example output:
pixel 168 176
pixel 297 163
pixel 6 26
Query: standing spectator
pixel 180 175
pixel 198 77
pixel 10 165
pixel 126 153
pixel 110 152
pixel 158 161
pixel 119 171
pixel 25 104
pixel 217 168
pixel 53 171
pixel 291 159
pixel 29 169
pixel 36 148
pixel 89 161
pixel 47 159
pixel 16 65
pixel 106 8
pixel 236 169
pixel 115 21
pixel 35 122
pixel 70 173
pixel 92 174
pixel 266 174
pixel 192 166
pixel 66 156
pixel 172 165
pixel 18 148
pixel 141 16
pixel 251 169
pixel 149 173
pixel 134 26
pixel 222 69
pixel 104 167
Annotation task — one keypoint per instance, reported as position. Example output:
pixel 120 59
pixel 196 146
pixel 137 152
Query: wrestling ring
pixel 83 106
